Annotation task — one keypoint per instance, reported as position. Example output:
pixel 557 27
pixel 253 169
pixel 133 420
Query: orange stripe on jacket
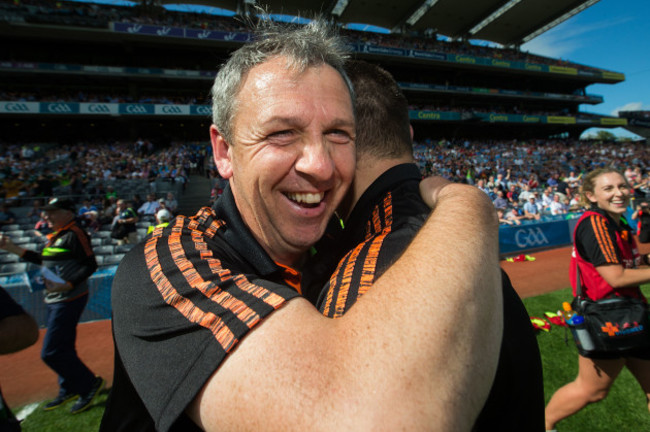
pixel 209 320
pixel 603 239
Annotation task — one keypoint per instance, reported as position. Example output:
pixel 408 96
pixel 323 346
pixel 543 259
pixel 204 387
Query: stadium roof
pixel 507 22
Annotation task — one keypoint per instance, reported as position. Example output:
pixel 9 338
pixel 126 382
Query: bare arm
pixel 418 353
pixel 619 277
pixel 9 246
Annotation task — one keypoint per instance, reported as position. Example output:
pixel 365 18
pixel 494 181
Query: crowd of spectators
pixel 533 180
pixel 517 175
pixel 93 170
pixel 95 15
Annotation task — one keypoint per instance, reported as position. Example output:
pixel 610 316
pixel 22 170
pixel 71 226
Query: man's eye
pixel 339 136
pixel 281 134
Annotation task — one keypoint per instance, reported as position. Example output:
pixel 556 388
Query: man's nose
pixel 315 160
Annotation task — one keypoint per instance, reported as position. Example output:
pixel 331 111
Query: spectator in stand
pixel 107 213
pixel 525 194
pixel 506 217
pixel 502 218
pixel 87 215
pixel 644 187
pixel 42 228
pixel 574 202
pixel 516 212
pixel 163 217
pixel 562 185
pixel 7 217
pixel 137 201
pixel 513 194
pixel 531 211
pixel 500 202
pixel 147 211
pixel 110 192
pixel 170 203
pixel 642 215
pixel 126 216
pixel 494 193
pixel 481 185
pixel 547 198
pixel 502 182
pixel 573 180
pixel 34 213
pixel 557 207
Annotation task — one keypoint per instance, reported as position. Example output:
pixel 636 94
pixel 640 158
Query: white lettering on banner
pixel 134 28
pixel 230 36
pixel 170 109
pixel 59 108
pixel 203 110
pixel 163 31
pixel 136 109
pixel 531 237
pixel 98 108
pixel 16 107
pixel 204 34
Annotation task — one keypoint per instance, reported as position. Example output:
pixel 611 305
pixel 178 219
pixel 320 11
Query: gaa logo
pixel 531 237
pixel 97 108
pixel 59 108
pixel 171 109
pixel 136 109
pixel 204 110
pixel 16 107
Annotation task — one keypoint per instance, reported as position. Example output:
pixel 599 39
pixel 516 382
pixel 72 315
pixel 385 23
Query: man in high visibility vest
pixel 70 261
pixel 163 217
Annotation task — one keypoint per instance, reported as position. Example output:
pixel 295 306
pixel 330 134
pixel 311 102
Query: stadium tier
pixel 72 70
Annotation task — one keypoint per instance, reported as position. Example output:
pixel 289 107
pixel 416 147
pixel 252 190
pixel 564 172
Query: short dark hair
pixel 382 114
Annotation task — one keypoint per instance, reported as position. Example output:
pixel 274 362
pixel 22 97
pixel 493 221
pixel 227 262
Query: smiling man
pixel 210 327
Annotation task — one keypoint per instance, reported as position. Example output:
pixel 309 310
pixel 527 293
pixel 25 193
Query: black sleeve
pixel 32 257
pixel 596 241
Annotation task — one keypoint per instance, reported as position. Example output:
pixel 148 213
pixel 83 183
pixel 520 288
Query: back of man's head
pixel 382 114
pixel 311 45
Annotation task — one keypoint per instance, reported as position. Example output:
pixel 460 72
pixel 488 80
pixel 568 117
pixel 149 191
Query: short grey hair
pixel 310 45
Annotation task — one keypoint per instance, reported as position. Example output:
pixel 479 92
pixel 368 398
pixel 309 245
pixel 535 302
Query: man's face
pixel 292 157
pixel 56 219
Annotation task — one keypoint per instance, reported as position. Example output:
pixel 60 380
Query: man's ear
pixel 221 153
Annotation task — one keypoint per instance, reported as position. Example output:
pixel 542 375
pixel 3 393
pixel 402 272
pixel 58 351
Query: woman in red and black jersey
pixel 607 255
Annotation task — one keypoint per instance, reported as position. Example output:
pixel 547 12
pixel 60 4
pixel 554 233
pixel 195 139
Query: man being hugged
pixel 210 327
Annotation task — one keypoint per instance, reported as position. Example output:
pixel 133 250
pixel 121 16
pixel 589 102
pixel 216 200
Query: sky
pixel 612 35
